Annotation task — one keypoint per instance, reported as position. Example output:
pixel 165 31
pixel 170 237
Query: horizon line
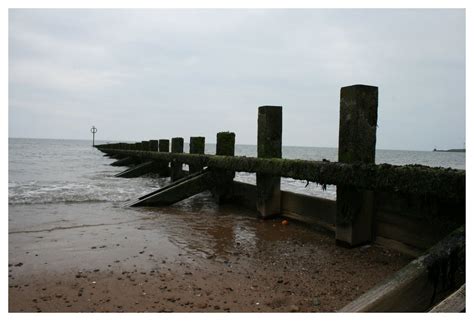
pixel 304 146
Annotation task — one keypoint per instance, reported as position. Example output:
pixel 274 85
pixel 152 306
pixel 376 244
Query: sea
pixel 50 171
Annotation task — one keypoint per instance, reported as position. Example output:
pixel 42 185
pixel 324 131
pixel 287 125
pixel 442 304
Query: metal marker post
pixel 93 131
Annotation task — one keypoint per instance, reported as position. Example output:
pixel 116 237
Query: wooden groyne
pixel 411 179
pixel 410 208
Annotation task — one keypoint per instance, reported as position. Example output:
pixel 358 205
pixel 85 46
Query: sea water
pixel 47 171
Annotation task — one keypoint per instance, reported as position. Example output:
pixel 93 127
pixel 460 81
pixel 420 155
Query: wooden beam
pixel 124 161
pixel 139 170
pixel 163 165
pixel 456 302
pixel 445 183
pixel 153 145
pixel 145 145
pixel 269 146
pixel 177 146
pixel 225 146
pixel 197 145
pixel 178 191
pixel 357 136
pixel 421 283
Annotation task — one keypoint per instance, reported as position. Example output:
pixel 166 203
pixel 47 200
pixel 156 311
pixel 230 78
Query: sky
pixel 140 74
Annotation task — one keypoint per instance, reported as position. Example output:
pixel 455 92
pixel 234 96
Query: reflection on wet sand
pixel 192 256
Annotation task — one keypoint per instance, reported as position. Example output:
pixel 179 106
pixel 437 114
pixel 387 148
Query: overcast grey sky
pixel 149 74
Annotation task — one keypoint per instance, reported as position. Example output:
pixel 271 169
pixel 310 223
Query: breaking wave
pixel 33 192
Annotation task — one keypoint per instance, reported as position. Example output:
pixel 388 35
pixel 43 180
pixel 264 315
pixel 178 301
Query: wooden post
pixel 269 146
pixel 196 146
pixel 225 146
pixel 177 146
pixel 145 145
pixel 164 147
pixel 357 136
pixel 153 145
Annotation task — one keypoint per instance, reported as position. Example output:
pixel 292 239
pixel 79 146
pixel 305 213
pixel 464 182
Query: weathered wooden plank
pixel 357 136
pixel 177 146
pixel 269 146
pixel 163 165
pixel 309 209
pixel 315 211
pixel 179 190
pixel 138 170
pixel 421 180
pixel 124 161
pixel 145 145
pixel 456 302
pixel 225 146
pixel 398 246
pixel 197 145
pixel 421 283
pixel 153 145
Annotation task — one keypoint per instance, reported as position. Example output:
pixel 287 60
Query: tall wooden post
pixel 153 143
pixel 145 145
pixel 177 146
pixel 196 146
pixel 357 137
pixel 269 146
pixel 225 146
pixel 163 147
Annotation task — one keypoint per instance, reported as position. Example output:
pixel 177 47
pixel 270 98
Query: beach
pixel 176 260
pixel 73 246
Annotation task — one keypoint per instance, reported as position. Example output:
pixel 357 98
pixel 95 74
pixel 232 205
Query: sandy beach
pixel 195 256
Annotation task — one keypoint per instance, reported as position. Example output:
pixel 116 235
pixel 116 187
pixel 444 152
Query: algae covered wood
pixel 179 190
pixel 162 166
pixel 164 145
pixel 196 146
pixel 177 146
pixel 269 146
pixel 357 137
pixel 420 284
pixel 153 145
pixel 138 170
pixel 445 183
pixel 456 302
pixel 145 145
pixel 225 146
pixel 124 161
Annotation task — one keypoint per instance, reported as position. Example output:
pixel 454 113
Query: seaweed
pixel 419 180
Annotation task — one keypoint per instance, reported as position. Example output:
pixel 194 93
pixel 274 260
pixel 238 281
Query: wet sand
pixel 194 256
